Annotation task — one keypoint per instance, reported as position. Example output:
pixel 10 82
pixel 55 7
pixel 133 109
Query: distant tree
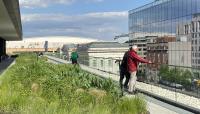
pixel 164 72
pixel 186 79
pixel 171 75
pixel 178 75
pixel 196 75
pixel 174 75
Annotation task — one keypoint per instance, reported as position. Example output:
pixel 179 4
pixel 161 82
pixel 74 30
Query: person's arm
pixel 138 58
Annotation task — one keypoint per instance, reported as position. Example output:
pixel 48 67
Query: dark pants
pixel 124 73
pixel 74 61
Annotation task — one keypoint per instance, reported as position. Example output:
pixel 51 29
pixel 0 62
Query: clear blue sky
pixel 99 19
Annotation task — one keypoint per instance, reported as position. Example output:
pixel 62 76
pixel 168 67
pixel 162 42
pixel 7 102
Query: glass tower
pixel 169 18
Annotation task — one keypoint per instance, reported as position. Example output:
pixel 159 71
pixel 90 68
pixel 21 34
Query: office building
pixel 102 55
pixel 169 18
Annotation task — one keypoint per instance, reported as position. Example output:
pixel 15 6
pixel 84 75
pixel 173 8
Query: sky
pixel 96 19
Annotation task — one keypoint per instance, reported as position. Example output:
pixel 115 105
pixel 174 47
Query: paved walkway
pixel 153 105
pixel 157 109
pixel 5 64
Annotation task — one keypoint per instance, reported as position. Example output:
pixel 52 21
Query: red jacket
pixel 133 60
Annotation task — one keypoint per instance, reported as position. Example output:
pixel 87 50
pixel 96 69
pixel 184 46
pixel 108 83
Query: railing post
pixel 175 84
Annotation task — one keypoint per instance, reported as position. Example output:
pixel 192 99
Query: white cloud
pixel 42 3
pixel 62 17
pixel 102 25
pixel 46 3
pixel 42 17
pixel 108 14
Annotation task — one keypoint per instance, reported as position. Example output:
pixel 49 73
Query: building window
pixel 196 28
pixel 164 58
pixel 110 63
pixel 102 63
pixel 94 63
pixel 186 29
pixel 199 25
pixel 192 26
pixel 192 35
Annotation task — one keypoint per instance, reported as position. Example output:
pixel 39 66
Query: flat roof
pixel 107 45
pixel 10 20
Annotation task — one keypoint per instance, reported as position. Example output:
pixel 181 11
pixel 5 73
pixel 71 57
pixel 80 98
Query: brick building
pixel 158 53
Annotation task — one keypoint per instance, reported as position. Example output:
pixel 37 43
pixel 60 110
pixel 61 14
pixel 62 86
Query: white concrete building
pixel 38 43
pixel 190 31
pixel 53 42
pixel 179 54
pixel 102 55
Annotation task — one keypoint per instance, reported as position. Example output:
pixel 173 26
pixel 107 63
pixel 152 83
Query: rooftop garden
pixel 35 86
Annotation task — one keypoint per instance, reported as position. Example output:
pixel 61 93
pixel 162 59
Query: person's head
pixel 74 50
pixel 134 48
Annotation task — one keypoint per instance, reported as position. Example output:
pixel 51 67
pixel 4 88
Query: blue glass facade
pixel 162 17
pixel 168 18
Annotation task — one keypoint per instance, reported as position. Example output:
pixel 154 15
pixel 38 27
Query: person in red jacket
pixel 132 65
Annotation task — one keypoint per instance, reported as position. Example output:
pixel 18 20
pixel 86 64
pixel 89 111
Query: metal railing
pixel 175 85
pixel 182 79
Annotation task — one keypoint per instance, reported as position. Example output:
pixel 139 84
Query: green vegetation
pixel 34 86
pixel 176 75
